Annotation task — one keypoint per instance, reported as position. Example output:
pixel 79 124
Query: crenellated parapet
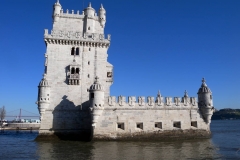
pixel 65 37
pixel 141 102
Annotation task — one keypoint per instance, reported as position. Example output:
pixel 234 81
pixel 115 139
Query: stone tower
pixel 76 52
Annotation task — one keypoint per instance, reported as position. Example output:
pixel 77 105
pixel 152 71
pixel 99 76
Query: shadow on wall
pixel 71 122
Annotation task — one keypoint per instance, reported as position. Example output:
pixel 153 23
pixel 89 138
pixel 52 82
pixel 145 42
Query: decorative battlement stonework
pixel 77 38
pixel 187 102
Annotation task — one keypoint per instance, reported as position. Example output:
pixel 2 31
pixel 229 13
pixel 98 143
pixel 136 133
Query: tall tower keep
pixel 76 52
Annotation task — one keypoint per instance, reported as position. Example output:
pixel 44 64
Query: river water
pixel 224 144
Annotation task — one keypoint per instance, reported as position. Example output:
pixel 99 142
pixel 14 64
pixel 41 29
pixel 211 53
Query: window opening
pixel 109 74
pixel 120 126
pixel 72 51
pixel 88 76
pixel 210 96
pixel 88 28
pixel 88 62
pixel 92 95
pixel 194 124
pixel 139 125
pixel 158 125
pixel 89 49
pixel 77 70
pixel 177 124
pixel 77 51
pixel 73 71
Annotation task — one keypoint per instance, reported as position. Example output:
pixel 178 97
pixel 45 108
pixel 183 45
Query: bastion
pixel 74 95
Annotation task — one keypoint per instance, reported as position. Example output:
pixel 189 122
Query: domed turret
pixel 56 11
pixel 43 95
pixel 205 101
pixel 89 11
pixel 102 16
pixel 96 98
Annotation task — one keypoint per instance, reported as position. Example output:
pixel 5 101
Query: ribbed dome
pixel 204 88
pixel 96 85
pixel 43 82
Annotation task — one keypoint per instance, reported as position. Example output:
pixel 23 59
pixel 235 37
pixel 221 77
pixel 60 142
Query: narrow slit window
pixel 88 62
pixel 89 49
pixel 72 51
pixel 77 70
pixel 77 51
pixel 89 28
pixel 92 95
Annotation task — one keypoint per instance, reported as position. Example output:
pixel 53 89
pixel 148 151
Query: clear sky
pixel 166 45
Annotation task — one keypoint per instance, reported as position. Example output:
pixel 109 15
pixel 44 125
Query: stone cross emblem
pixel 132 100
pixel 169 101
pixel 141 101
pixel 111 101
pixel 150 101
pixel 193 101
pixel 177 101
pixel 121 100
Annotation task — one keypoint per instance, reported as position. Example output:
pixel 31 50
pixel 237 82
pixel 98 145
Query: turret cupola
pixel 102 16
pixel 89 12
pixel 56 11
pixel 96 86
pixel 204 88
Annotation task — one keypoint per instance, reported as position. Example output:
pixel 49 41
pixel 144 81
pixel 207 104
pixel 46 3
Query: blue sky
pixel 166 45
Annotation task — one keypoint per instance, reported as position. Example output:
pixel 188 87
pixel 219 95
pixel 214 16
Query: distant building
pixel 74 94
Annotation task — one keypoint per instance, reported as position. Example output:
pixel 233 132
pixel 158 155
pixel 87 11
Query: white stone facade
pixel 70 100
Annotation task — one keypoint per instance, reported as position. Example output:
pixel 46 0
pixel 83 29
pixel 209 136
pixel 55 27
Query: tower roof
pixel 43 82
pixel 204 88
pixel 96 85
pixel 57 3
pixel 101 7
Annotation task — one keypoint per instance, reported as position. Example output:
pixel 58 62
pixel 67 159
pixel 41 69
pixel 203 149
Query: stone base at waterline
pixel 156 136
pixel 86 135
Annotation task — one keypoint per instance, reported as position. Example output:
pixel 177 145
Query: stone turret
pixel 96 98
pixel 102 16
pixel 56 11
pixel 205 101
pixel 43 95
pixel 89 19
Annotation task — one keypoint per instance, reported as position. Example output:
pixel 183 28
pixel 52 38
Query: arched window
pixel 88 62
pixel 77 70
pixel 77 51
pixel 72 51
pixel 89 49
pixel 72 70
pixel 88 28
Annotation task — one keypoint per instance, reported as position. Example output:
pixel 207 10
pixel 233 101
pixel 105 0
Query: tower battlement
pixel 152 102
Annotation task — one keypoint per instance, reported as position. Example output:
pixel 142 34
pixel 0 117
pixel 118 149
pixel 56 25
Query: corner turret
pixel 96 98
pixel 43 95
pixel 56 11
pixel 205 101
pixel 89 12
pixel 102 16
